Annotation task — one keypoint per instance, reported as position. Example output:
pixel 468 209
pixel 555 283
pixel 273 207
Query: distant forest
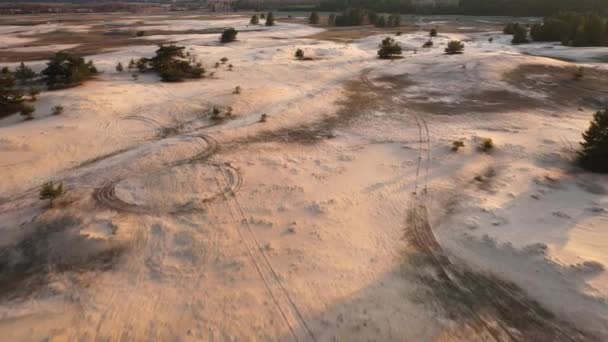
pixel 474 7
pixel 466 7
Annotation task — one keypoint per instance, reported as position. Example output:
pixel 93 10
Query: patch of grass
pixel 457 145
pixel 486 145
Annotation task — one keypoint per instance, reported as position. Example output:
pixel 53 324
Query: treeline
pixel 569 28
pixel 472 7
pixel 357 16
pixel 572 29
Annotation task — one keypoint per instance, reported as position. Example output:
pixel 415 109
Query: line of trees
pixel 569 28
pixel 471 7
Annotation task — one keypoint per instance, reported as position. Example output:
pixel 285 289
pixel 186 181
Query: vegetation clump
pixel 594 153
pixel 11 97
pixel 57 110
pixel 510 28
pixel 229 35
pixel 299 54
pixel 24 73
pixel 66 70
pixel 27 111
pixel 270 19
pixel 314 18
pixel 119 67
pixel 579 72
pixel 454 47
pixel 457 145
pixel 571 28
pixel 50 191
pixel 389 48
pixel 254 20
pixel 520 35
pixel 433 32
pixel 486 145
pixel 428 44
pixel 172 64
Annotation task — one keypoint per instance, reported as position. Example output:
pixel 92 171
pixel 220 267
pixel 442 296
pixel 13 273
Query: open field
pixel 345 216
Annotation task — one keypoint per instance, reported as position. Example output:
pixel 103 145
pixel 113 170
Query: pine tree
pixel 454 47
pixel 119 67
pixel 254 20
pixel 389 48
pixel 24 73
pixel 594 156
pixel 270 19
pixel 50 191
pixel 314 18
pixel 520 35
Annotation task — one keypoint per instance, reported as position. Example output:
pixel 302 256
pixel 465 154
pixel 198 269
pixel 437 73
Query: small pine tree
pixel 579 72
pixel 454 47
pixel 132 64
pixel 520 35
pixel 270 19
pixel 457 145
pixel 229 35
pixel 27 111
pixel 50 191
pixel 237 90
pixel 57 110
pixel 594 155
pixel 254 20
pixel 299 54
pixel 389 48
pixel 119 67
pixel 433 32
pixel 314 18
pixel 24 73
pixel 486 145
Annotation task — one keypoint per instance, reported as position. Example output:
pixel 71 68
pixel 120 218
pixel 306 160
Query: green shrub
pixel 457 145
pixel 299 54
pixel 270 19
pixel 119 67
pixel 433 32
pixel 171 64
pixel 27 111
pixel 57 110
pixel 24 73
pixel 454 47
pixel 229 35
pixel 50 191
pixel 594 155
pixel 579 72
pixel 520 35
pixel 428 44
pixel 67 70
pixel 11 97
pixel 314 18
pixel 486 145
pixel 510 28
pixel 389 48
pixel 254 20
